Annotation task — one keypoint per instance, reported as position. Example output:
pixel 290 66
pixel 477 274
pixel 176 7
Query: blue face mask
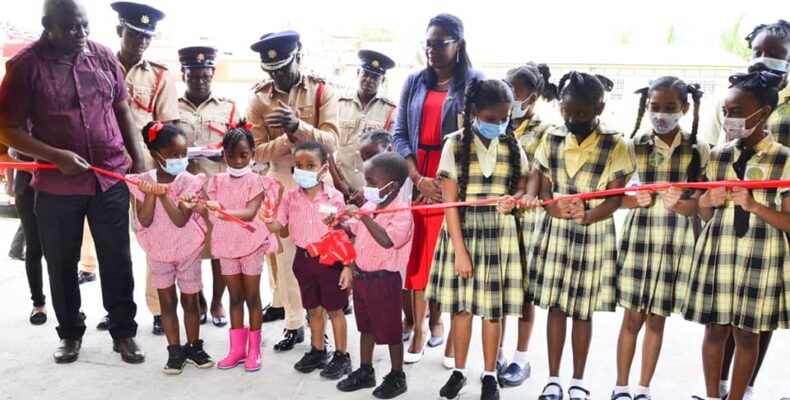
pixel 491 131
pixel 305 179
pixel 175 166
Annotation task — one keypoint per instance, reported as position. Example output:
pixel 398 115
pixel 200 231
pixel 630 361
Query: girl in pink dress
pixel 172 238
pixel 240 192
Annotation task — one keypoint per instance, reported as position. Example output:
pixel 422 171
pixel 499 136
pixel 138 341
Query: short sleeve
pixel 192 183
pixel 785 192
pixel 400 228
pixel 704 155
pixel 447 167
pixel 16 101
pixel 283 209
pixel 621 164
pixel 134 190
pixel 337 200
pixel 542 155
pixel 211 188
pixel 524 161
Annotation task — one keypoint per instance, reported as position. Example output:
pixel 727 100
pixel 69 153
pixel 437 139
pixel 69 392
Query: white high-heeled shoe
pixel 448 362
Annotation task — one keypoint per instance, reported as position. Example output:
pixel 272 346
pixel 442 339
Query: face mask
pixel 775 64
pixel 665 122
pixel 490 131
pixel 175 166
pixel 581 128
pixel 735 128
pixel 239 172
pixel 518 112
pixel 373 194
pixel 305 179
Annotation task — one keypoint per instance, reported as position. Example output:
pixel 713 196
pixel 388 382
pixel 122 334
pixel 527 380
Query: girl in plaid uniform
pixel 172 238
pixel 770 45
pixel 477 267
pixel 529 82
pixel 658 238
pixel 738 283
pixel 571 262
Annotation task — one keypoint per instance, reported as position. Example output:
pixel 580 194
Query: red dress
pixel 427 224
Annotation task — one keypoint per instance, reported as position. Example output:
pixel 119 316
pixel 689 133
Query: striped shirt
pixel 304 217
pixel 371 256
pixel 162 240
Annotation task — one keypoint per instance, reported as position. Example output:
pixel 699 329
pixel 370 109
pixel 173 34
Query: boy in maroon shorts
pixel 323 288
pixel 382 243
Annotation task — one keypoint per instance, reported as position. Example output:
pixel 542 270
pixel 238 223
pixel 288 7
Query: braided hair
pixel 536 78
pixel 162 135
pixel 482 94
pixel 590 88
pixel 683 91
pixel 236 134
pixel 760 81
pixel 780 29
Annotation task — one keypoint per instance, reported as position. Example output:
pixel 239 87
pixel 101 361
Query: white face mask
pixel 735 128
pixel 373 194
pixel 664 123
pixel 776 64
pixel 517 110
pixel 239 172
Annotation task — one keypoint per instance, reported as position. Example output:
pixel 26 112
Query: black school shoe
pixel 490 388
pixel 339 366
pixel 289 339
pixel 176 358
pixel 362 378
pixel 393 386
pixel 196 355
pixel 312 360
pixel 454 387
pixel 158 329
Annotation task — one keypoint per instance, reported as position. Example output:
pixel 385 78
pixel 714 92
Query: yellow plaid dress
pixel 742 281
pixel 657 245
pixel 530 134
pixel 571 267
pixel 497 287
pixel 779 121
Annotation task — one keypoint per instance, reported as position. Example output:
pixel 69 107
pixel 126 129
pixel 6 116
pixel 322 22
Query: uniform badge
pixel 754 173
pixel 272 54
pixel 200 58
pixel 656 159
pixel 145 19
pixel 375 63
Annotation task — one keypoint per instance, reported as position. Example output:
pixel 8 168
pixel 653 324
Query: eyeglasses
pixel 438 44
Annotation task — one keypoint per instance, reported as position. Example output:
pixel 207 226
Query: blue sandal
pixel 551 396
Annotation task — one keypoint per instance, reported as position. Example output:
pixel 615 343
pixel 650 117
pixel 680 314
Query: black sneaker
pixel 176 358
pixel 85 277
pixel 339 366
pixel 363 378
pixel 104 324
pixel 454 387
pixel 312 360
pixel 196 355
pixel 393 386
pixel 158 329
pixel 490 388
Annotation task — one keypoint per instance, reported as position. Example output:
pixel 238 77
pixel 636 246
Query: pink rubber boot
pixel 236 353
pixel 253 362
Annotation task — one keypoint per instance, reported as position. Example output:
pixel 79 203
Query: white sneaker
pixel 448 362
pixel 413 358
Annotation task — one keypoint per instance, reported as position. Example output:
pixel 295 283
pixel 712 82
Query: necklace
pixel 443 82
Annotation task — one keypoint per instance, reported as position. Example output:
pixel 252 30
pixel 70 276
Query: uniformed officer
pixel 359 112
pixel 152 92
pixel 205 118
pixel 288 108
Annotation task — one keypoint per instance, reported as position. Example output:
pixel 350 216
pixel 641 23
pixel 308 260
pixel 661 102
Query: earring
pixel 457 57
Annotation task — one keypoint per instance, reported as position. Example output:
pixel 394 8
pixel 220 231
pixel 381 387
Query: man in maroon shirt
pixel 71 93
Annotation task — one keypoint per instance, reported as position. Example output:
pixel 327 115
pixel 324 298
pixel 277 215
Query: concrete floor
pixel 28 372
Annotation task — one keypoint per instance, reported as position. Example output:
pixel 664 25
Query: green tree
pixel 672 35
pixel 732 41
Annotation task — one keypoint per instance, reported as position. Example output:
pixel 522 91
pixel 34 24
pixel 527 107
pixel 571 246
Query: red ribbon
pixel 246 125
pixel 154 130
pixel 34 165
pixel 333 247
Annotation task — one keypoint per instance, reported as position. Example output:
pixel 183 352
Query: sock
pixel 576 392
pixel 520 358
pixel 501 359
pixel 723 387
pixel 749 393
pixel 489 373
pixel 553 390
pixel 621 389
pixel 462 371
pixel 713 398
pixel 642 390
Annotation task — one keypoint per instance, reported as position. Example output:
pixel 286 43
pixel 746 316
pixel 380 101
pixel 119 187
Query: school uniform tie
pixel 741 215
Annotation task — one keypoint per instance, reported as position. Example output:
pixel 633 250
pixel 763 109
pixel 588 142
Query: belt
pixel 430 147
pixel 369 276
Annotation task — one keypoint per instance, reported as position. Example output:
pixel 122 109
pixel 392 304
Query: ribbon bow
pixel 334 247
pixel 154 130
pixel 246 125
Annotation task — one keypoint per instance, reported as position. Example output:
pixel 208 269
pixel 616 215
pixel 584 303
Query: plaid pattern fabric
pixel 529 141
pixel 657 245
pixel 497 287
pixel 742 281
pixel 779 123
pixel 572 267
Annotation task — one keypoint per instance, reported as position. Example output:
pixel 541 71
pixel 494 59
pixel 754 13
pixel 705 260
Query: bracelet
pixel 417 185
